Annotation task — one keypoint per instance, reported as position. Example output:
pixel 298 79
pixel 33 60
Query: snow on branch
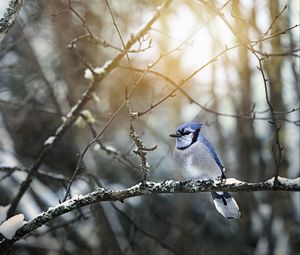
pixel 9 17
pixel 169 186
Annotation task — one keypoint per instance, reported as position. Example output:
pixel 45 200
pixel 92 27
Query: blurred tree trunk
pixel 171 65
pixel 107 240
pixel 274 68
pixel 245 134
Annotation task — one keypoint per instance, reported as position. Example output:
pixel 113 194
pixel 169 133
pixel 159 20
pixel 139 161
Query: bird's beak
pixel 175 135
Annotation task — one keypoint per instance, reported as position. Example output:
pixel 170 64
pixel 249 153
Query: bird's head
pixel 187 134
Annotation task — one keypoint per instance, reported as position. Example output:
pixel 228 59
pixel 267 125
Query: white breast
pixel 195 162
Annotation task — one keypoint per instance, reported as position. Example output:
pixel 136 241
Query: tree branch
pixel 41 173
pixel 169 186
pixel 77 108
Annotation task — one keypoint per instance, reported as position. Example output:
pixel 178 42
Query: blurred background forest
pixel 42 75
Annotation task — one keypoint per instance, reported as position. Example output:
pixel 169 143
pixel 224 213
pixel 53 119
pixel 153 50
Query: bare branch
pixel 291 52
pixel 276 127
pixel 283 32
pixel 111 151
pixel 75 111
pixel 141 151
pixel 273 22
pixel 40 173
pixel 276 148
pixel 250 115
pixel 189 77
pixel 118 30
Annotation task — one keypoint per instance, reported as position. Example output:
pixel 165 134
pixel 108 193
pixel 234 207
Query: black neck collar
pixel 195 138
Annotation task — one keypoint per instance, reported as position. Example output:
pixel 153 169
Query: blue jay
pixel 197 158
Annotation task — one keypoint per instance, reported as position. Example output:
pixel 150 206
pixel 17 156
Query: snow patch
pixel 50 140
pixel 111 148
pixel 285 181
pixel 70 113
pixel 77 197
pixel 291 182
pixel 88 74
pixel 9 227
pixel 97 147
pixel 168 182
pixel 232 181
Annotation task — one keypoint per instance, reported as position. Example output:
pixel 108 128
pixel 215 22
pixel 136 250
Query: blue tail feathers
pixel 226 205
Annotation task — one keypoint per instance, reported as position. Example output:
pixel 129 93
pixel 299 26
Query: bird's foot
pixel 221 179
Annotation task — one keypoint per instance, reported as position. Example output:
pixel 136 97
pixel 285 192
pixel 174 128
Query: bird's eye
pixel 186 133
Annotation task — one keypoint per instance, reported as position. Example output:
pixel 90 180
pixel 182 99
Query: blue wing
pixel 212 152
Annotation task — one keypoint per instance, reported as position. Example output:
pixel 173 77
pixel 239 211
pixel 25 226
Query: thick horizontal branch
pixel 139 189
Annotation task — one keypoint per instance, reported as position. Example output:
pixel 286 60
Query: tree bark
pixel 169 186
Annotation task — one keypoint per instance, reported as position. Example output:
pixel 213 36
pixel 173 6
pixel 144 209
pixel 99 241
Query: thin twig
pixel 121 157
pixel 182 83
pixel 246 115
pixel 146 233
pixel 279 54
pixel 97 138
pixel 276 127
pixel 274 21
pixel 40 173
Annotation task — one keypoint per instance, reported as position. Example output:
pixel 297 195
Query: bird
pixel 197 158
